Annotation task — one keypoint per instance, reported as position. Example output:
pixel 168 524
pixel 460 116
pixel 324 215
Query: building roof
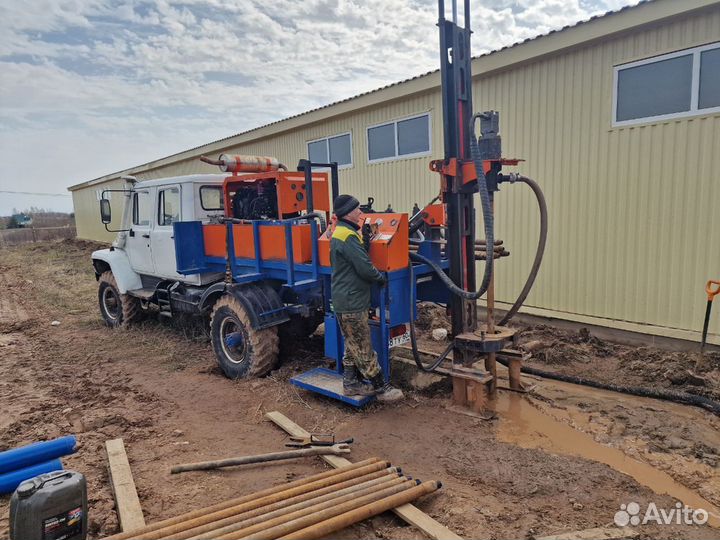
pixel 599 27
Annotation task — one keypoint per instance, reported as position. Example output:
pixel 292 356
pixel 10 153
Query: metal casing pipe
pixel 303 508
pixel 202 517
pixel 277 527
pixel 329 526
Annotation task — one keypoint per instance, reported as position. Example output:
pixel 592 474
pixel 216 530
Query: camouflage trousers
pixel 358 346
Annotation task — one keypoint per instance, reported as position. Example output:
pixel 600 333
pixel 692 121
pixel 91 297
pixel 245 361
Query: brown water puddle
pixel 522 424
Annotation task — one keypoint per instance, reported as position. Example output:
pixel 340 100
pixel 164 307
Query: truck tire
pixel 116 309
pixel 242 352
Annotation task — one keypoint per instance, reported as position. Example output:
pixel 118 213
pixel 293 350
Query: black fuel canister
pixel 51 506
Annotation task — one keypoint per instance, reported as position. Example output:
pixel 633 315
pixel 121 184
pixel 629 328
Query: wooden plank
pixel 615 533
pixel 407 512
pixel 127 503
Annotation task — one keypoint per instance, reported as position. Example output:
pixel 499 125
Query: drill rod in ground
pixel 274 528
pixel 336 449
pixel 310 483
pixel 303 508
pixel 337 523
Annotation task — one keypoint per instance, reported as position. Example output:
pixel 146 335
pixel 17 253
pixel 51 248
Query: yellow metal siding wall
pixel 633 235
pixel 634 231
pixel 87 211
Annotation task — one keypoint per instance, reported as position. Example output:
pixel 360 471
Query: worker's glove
pixel 383 280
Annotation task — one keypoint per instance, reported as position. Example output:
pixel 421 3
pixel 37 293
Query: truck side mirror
pixel 105 213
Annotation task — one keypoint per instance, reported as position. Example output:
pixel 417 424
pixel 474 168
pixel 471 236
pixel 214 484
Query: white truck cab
pixel 144 250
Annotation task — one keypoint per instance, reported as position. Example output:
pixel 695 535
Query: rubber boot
pixel 384 391
pixel 353 386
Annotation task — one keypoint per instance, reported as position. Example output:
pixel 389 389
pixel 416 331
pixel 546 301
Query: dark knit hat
pixel 344 204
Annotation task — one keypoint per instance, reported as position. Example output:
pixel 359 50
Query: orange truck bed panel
pixel 272 242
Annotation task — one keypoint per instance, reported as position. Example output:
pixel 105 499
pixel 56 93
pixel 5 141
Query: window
pixel 408 137
pixel 211 198
pixel 329 149
pixel 673 85
pixel 142 209
pixel 168 206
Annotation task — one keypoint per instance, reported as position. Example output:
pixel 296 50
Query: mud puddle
pixel 523 424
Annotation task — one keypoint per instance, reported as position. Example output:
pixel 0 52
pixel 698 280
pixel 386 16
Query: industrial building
pixel 618 118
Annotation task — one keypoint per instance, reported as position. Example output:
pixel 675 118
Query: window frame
pixel 211 186
pixel 695 52
pixel 395 123
pixel 327 148
pixel 161 201
pixel 136 209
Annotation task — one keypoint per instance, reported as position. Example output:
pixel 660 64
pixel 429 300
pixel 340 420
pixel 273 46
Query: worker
pixel 353 275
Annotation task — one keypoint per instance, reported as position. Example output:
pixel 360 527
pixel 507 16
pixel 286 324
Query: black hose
pixel 542 205
pixel 413 339
pixel 468 295
pixel 486 204
pixel 666 395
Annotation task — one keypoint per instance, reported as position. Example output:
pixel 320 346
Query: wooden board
pixel 127 503
pixel 615 533
pixel 407 512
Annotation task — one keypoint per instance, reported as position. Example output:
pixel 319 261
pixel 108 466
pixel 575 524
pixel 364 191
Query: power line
pixel 35 193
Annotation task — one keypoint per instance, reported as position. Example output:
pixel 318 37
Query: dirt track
pixel 156 386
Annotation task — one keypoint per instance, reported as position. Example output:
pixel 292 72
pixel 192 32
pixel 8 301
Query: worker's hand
pixel 382 281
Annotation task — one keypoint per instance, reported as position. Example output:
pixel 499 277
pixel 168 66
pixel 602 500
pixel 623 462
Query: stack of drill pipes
pixel 387 498
pixel 323 528
pixel 303 485
pixel 263 515
pixel 355 487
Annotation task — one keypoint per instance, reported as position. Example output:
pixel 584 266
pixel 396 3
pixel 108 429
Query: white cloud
pixel 88 87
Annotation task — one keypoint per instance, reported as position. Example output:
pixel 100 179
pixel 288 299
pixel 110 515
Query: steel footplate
pixel 483 342
pixel 328 383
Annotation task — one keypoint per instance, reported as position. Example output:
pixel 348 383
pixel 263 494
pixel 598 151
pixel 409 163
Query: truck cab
pixel 145 248
pixel 155 206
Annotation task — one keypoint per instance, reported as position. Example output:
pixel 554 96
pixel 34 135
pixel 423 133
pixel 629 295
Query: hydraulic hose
pixel 542 205
pixel 413 339
pixel 486 205
pixel 665 395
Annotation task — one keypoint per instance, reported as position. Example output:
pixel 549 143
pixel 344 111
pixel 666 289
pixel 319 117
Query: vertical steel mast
pixel 455 70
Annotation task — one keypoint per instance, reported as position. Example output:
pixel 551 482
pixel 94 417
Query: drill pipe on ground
pixel 303 508
pixel 302 485
pixel 208 529
pixel 336 449
pixel 334 524
pixel 274 528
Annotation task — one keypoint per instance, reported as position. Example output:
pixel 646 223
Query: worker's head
pixel 347 207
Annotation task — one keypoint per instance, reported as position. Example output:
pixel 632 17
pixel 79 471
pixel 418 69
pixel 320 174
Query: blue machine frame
pixel 398 300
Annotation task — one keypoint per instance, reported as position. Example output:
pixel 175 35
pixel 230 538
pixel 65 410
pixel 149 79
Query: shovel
pixel 711 293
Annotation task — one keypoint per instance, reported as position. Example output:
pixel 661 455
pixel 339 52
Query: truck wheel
pixel 117 309
pixel 242 351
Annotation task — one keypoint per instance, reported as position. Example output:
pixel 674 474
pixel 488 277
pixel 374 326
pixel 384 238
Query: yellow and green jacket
pixel 353 274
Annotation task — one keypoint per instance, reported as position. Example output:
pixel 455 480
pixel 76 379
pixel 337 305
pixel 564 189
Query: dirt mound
pixel 583 354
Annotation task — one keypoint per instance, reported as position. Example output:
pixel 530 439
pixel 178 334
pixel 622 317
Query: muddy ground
pixel 157 387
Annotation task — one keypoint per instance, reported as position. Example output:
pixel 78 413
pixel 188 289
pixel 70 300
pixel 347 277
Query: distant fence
pixel 13 237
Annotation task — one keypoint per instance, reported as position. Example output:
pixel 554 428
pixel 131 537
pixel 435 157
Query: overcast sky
pixel 90 87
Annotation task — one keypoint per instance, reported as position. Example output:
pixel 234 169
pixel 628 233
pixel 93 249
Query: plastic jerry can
pixel 51 506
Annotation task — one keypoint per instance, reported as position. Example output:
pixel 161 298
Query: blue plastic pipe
pixel 11 480
pixel 25 456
